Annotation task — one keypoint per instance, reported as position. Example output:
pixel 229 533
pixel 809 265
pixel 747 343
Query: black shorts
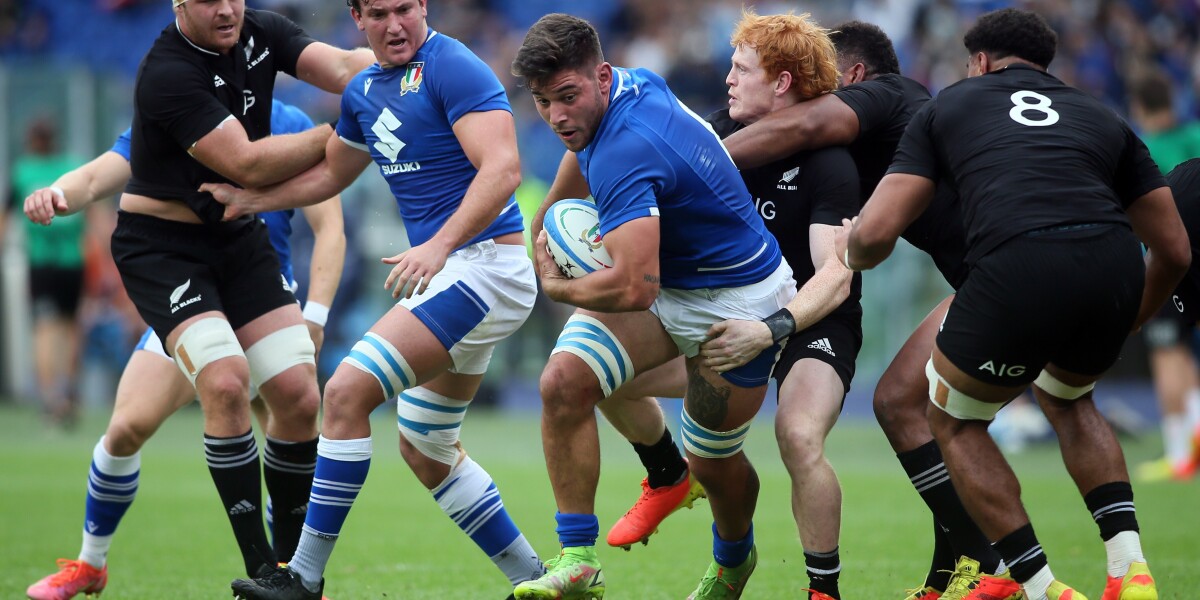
pixel 1062 297
pixel 1167 328
pixel 834 341
pixel 55 291
pixel 174 271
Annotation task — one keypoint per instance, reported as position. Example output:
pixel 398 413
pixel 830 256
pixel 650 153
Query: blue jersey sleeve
pixel 286 118
pixel 121 146
pixel 348 127
pixel 625 181
pixel 470 87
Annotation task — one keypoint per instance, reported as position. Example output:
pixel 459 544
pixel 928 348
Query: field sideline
pixel 175 543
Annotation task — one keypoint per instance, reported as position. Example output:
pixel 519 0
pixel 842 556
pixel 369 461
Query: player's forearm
pixel 325 270
pixel 606 290
pixel 1162 276
pixel 485 198
pixel 568 183
pixel 280 157
pixel 103 177
pixel 313 186
pixel 820 295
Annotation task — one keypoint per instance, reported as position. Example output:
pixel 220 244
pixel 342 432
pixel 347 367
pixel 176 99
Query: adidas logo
pixel 217 81
pixel 242 507
pixel 300 510
pixel 823 345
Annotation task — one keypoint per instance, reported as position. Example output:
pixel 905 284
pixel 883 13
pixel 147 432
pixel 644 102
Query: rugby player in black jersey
pixel 1051 183
pixel 212 290
pixel 868 114
pixel 778 61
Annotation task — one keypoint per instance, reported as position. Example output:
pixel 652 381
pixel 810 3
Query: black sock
pixel 942 564
pixel 927 472
pixel 288 470
pixel 233 464
pixel 1022 553
pixel 1111 505
pixel 823 571
pixel 664 464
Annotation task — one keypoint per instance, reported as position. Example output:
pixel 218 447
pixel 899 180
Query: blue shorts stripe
pixel 424 428
pixel 141 345
pixel 391 361
pixel 431 406
pixel 375 369
pixel 603 338
pixel 452 313
pixel 608 374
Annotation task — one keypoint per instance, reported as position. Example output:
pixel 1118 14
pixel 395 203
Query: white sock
pixel 1192 407
pixel 1177 438
pixel 94 550
pixel 1122 549
pixel 1035 588
pixel 1001 568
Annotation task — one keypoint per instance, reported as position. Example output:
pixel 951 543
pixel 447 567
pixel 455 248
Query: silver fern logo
pixel 176 304
pixel 790 175
pixel 178 293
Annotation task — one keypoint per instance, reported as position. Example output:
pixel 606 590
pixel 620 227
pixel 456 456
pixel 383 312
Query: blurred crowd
pixel 1115 49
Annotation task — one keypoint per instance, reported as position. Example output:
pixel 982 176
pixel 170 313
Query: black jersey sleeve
pixel 916 154
pixel 721 123
pixel 833 179
pixel 179 101
pixel 1137 174
pixel 287 38
pixel 873 101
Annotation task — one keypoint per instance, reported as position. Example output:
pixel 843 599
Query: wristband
pixel 316 313
pixel 57 191
pixel 782 325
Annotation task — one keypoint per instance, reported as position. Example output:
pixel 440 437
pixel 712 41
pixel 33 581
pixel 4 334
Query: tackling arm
pixel 1156 222
pixel 817 123
pixel 229 151
pixel 568 183
pixel 898 200
pixel 330 68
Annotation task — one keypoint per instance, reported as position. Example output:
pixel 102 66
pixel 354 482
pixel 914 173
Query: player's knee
pixel 600 351
pixel 299 397
pixel 567 388
pixel 203 343
pixel 124 437
pixel 341 402
pixel 224 388
pixel 800 447
pixel 274 355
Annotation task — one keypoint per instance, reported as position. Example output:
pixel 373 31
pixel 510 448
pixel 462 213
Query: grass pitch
pixel 176 544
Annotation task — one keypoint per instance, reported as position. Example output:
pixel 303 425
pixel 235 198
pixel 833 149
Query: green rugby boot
pixel 572 575
pixel 725 583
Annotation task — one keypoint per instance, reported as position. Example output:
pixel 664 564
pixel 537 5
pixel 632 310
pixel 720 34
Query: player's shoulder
pixel 264 20
pixel 442 52
pixel 286 118
pixel 722 123
pixel 1185 175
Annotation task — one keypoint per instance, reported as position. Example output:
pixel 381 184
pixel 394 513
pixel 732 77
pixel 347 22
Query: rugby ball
pixel 573 236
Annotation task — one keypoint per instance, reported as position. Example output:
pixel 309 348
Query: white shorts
pixel 688 314
pixel 483 294
pixel 150 343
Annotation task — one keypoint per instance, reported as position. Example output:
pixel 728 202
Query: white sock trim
pixel 1035 588
pixel 1123 549
pixel 115 466
pixel 345 450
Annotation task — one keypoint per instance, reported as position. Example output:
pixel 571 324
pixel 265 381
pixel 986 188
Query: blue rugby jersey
pixel 652 156
pixel 404 117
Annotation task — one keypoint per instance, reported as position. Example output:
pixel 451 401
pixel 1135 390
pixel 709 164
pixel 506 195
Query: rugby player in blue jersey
pixel 436 121
pixel 689 251
pixel 152 388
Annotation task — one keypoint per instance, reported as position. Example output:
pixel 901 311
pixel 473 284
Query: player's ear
pixel 783 83
pixel 604 76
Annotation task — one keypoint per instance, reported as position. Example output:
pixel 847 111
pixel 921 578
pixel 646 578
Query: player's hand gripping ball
pixel 573 237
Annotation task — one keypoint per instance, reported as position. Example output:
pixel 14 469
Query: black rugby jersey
pixel 1184 180
pixel 884 107
pixel 184 91
pixel 815 187
pixel 1025 152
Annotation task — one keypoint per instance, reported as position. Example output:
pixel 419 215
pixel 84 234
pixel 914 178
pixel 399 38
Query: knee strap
pixel 279 352
pixel 376 356
pixel 596 345
pixel 203 342
pixel 707 443
pixel 1055 387
pixel 431 423
pixel 955 403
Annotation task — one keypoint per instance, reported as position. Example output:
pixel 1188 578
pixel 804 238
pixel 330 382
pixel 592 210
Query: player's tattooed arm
pixel 707 404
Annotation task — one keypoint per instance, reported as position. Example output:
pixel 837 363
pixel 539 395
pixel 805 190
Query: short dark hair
pixel 868 44
pixel 1012 32
pixel 557 42
pixel 1152 92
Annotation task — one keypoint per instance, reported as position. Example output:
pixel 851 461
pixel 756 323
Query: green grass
pixel 175 542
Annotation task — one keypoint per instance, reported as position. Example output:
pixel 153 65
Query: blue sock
pixel 342 467
pixel 576 529
pixel 470 498
pixel 732 553
pixel 112 485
